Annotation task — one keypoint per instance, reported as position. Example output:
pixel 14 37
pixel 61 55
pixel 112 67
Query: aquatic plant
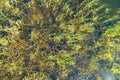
pixel 47 40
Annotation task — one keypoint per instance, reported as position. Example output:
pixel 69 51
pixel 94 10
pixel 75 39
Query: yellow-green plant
pixel 49 39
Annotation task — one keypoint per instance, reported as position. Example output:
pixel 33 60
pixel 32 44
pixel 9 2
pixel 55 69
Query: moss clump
pixel 50 39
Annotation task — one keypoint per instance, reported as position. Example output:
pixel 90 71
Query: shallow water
pixel 106 75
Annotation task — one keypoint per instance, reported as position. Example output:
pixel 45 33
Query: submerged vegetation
pixel 58 40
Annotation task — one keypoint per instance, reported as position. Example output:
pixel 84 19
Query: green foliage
pixel 47 39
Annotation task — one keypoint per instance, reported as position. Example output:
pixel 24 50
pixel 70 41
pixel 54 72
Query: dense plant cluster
pixel 52 39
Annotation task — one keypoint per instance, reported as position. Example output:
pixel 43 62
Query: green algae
pixel 48 40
